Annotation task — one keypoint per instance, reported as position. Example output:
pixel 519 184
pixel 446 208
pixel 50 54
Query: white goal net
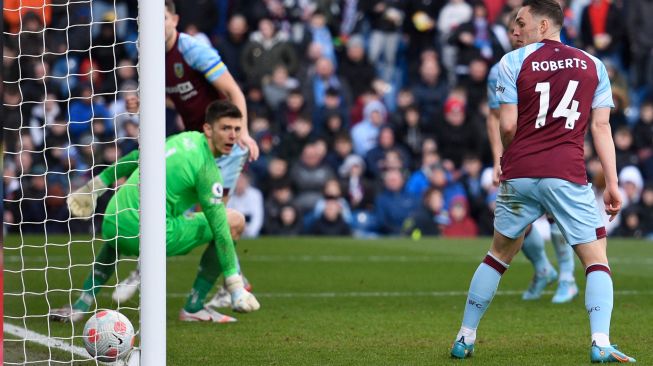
pixel 70 109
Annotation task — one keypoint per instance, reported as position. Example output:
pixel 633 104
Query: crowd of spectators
pixel 370 114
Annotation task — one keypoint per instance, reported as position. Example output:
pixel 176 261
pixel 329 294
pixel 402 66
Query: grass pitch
pixel 334 301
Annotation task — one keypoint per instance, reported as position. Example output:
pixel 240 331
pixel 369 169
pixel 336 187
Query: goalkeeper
pixel 192 177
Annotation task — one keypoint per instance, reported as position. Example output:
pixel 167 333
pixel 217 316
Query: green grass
pixel 351 302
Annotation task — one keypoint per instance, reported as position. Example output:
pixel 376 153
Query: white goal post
pixel 153 180
pixel 56 83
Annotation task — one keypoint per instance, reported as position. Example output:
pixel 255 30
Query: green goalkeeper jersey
pixel 192 177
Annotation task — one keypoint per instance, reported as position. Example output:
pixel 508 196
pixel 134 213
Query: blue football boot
pixel 460 349
pixel 607 354
pixel 539 282
pixel 566 292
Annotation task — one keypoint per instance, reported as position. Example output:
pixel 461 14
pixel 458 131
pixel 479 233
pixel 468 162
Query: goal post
pixel 153 180
pixel 69 69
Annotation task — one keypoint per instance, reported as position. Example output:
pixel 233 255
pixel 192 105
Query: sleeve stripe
pixel 213 69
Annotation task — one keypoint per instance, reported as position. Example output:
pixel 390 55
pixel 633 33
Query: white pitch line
pixel 44 340
pixel 313 258
pixel 398 294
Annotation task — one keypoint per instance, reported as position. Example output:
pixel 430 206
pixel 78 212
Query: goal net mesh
pixel 70 109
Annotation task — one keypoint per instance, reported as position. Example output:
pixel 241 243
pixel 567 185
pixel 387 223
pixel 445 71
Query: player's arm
pixel 604 146
pixel 602 138
pixel 207 60
pixel 209 191
pixel 82 202
pixel 494 136
pixel 506 94
pixel 507 123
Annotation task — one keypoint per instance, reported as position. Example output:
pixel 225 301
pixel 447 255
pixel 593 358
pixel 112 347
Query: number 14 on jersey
pixel 567 107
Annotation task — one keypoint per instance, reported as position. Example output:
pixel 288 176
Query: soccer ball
pixel 108 336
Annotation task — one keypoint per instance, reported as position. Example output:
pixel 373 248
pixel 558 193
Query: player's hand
pixel 82 202
pixel 244 302
pixel 496 175
pixel 246 141
pixel 612 201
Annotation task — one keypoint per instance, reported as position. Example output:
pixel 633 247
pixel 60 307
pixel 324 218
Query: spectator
pixel 83 110
pixel 430 90
pixel 602 30
pixel 288 223
pixel 375 157
pixel 280 194
pixel 630 179
pixel 639 26
pixel 266 49
pixel 322 79
pixel 430 218
pixel 294 107
pixel 355 67
pixel 321 35
pixel 358 190
pixel 331 221
pixel 277 87
pixel 643 131
pixel 386 19
pixel 233 45
pixel 624 148
pixel 341 149
pixel 266 141
pixel 393 204
pixel 645 207
pixel 456 135
pixel 365 134
pixel 461 224
pixel 298 135
pixel 248 200
pixel 631 225
pixel 418 181
pixel 333 105
pixel 475 39
pixel 410 131
pixel 309 174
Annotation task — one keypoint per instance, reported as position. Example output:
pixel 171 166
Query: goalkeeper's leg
pixel 103 268
pixel 128 287
pixel 209 270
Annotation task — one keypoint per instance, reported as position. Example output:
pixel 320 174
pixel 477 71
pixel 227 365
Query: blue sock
pixel 533 249
pixel 598 298
pixel 481 291
pixel 564 254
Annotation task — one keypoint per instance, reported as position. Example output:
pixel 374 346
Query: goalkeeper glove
pixel 242 301
pixel 82 202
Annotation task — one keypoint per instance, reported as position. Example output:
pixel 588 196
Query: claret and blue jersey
pixel 191 67
pixel 558 86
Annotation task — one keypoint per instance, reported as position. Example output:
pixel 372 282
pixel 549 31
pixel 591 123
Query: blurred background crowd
pixel 370 114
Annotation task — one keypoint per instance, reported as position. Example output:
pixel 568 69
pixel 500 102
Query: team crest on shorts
pixel 179 69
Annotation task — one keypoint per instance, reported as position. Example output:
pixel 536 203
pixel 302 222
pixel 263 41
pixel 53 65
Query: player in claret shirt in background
pixel 195 77
pixel 550 94
pixel 192 178
pixel 533 246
